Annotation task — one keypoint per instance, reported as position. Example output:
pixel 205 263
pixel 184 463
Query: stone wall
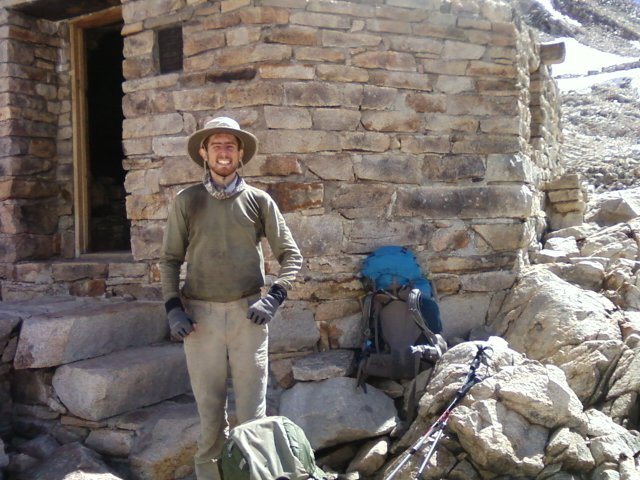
pixel 423 123
pixel 33 182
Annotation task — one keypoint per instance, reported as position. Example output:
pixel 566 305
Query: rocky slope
pixel 601 124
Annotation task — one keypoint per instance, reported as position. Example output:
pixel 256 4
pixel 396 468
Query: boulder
pixel 551 320
pixel 165 445
pixel 71 461
pixel 614 207
pixel 323 365
pixel 100 327
pixel 102 387
pixel 336 411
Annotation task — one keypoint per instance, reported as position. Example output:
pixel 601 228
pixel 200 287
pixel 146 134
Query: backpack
pixel 400 317
pixel 269 448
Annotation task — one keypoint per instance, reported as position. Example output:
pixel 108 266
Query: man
pixel 216 227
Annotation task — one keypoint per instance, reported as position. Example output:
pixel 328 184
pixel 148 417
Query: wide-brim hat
pixel 249 142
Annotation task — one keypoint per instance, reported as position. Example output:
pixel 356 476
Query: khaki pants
pixel 224 337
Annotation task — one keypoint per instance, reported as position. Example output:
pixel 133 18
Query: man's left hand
pixel 263 310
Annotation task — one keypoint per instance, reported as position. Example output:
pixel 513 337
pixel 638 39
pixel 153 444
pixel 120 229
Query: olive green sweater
pixel 220 241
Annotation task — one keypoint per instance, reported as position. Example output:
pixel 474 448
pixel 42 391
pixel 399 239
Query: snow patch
pixel 548 6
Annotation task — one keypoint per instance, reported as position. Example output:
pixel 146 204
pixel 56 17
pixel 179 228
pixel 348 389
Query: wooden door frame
pixel 79 118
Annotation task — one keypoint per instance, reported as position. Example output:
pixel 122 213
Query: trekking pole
pixel 437 428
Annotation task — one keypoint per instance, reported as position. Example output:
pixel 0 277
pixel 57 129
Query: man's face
pixel 222 152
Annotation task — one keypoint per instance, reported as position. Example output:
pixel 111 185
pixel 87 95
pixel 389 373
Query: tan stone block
pixel 264 15
pixel 342 73
pixel 388 26
pixel 340 119
pixel 43 147
pixel 322 20
pixel 32 273
pixel 287 118
pixel 405 80
pixel 285 3
pixel 199 42
pixel 473 22
pixel 507 55
pixel 462 50
pixel 487 144
pixel 450 239
pixel 389 169
pixel 502 125
pixel 416 44
pixel 438 122
pixel 67 272
pixel 567 207
pixel 385 60
pixel 263 93
pixel 332 38
pixel 365 234
pixel 480 68
pixel 341 8
pixel 236 56
pixel 392 121
pixel 215 21
pixel 509 168
pixel 445 67
pixel 143 182
pixel 139 44
pixel 425 144
pixel 440 25
pixel 365 141
pixel 411 15
pixel 147 207
pixel 503 237
pixel 179 171
pixel 138 67
pixel 465 202
pixel 198 99
pixel 362 200
pixel 145 102
pixel 165 124
pixel 452 168
pixel 426 102
pixel 137 146
pixel 158 82
pixel 296 72
pixel 132 28
pixel 230 5
pixel 331 167
pixel 297 141
pixel 379 98
pixel 454 84
pixel 322 94
pixel 280 165
pixel 292 35
pixel 481 37
pixel 294 196
pixel 466 104
pixel 316 54
pixel 169 146
pixel 16 187
pixel 497 85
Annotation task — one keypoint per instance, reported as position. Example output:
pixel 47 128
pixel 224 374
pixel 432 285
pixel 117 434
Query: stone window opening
pixel 170 52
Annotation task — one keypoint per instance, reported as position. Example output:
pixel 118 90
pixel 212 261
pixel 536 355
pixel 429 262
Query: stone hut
pixel 432 124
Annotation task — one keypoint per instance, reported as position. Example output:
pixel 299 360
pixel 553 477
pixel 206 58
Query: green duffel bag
pixel 267 449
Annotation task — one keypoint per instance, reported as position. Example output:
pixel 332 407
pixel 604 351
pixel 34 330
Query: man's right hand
pixel 179 323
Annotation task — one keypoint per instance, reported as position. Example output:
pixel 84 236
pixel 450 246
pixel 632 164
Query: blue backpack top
pixel 394 267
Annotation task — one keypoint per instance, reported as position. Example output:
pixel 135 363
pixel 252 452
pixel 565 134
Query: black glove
pixel 263 310
pixel 180 324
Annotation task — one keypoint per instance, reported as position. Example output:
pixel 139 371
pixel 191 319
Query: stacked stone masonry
pixel 425 123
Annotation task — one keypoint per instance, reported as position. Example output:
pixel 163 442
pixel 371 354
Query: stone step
pixel 84 328
pixel 112 384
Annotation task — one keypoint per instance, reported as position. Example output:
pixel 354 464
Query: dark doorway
pixel 109 228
